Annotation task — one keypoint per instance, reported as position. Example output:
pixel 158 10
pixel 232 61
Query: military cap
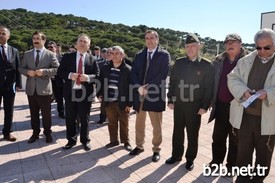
pixel 104 50
pixel 191 38
pixel 233 37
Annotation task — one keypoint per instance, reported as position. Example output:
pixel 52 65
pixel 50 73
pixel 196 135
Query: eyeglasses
pixel 265 47
pixel 49 47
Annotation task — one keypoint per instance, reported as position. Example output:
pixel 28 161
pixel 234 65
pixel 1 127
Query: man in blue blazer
pixel 10 80
pixel 79 70
pixel 149 71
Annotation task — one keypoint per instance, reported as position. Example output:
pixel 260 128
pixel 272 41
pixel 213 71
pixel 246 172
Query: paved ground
pixel 41 162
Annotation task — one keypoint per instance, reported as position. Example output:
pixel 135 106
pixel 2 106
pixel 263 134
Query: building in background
pixel 268 20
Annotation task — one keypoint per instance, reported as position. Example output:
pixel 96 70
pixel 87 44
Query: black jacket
pixel 123 84
pixel 192 82
pixel 9 70
pixel 68 65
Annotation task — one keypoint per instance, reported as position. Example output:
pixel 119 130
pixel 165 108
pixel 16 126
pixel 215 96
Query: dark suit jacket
pixel 9 71
pixel 68 65
pixel 156 76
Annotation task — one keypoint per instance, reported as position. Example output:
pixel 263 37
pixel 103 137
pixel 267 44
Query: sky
pixel 208 18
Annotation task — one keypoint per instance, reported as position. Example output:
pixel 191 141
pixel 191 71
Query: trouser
pixel 80 110
pixel 222 130
pixel 156 122
pixel 117 117
pixel 102 115
pixel 58 94
pixel 186 116
pixel 43 103
pixel 8 104
pixel 250 138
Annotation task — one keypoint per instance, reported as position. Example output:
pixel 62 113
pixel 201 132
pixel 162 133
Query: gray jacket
pixel 218 66
pixel 42 84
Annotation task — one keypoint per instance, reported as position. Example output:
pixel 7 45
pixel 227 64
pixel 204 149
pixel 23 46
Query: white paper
pixel 250 100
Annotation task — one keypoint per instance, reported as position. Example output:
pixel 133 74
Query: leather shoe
pixel 127 146
pixel 100 122
pixel 69 145
pixel 172 160
pixel 189 165
pixel 112 144
pixel 156 157
pixel 49 139
pixel 9 137
pixel 87 146
pixel 136 151
pixel 32 139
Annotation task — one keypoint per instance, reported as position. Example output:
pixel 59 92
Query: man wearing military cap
pixel 223 65
pixel 190 94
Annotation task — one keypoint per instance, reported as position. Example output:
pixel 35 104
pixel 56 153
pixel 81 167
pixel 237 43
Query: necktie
pixel 79 70
pixel 37 58
pixel 150 56
pixel 4 56
pixel 148 60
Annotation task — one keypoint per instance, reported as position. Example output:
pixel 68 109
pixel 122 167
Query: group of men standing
pixel 196 84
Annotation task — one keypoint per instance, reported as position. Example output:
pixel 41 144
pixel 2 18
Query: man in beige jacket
pixel 254 76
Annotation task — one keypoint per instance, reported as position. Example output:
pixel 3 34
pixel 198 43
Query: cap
pixel 191 38
pixel 104 50
pixel 233 37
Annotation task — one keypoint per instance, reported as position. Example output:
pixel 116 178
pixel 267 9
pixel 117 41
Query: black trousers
pixel 8 96
pixel 222 130
pixel 58 94
pixel 43 103
pixel 185 116
pixel 81 110
pixel 102 115
pixel 250 138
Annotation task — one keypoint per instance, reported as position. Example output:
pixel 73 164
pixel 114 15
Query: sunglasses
pixel 265 47
pixel 49 47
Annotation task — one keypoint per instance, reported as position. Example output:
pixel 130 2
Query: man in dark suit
pixel 57 82
pixel 149 72
pixel 78 69
pixel 39 65
pixel 10 79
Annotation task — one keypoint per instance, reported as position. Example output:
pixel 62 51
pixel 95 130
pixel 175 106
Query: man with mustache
pixel 224 64
pixel 39 65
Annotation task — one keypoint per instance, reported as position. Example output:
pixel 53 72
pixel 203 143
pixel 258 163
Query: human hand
pixel 74 76
pixel 201 111
pixel 31 73
pixel 39 72
pixel 171 106
pixel 127 109
pixel 83 77
pixel 142 90
pixel 263 94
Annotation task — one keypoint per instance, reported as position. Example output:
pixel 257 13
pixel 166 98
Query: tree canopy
pixel 64 29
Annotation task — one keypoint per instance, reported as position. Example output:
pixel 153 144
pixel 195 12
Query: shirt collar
pixel 265 60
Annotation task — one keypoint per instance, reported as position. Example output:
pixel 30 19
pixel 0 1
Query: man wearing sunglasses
pixel 254 76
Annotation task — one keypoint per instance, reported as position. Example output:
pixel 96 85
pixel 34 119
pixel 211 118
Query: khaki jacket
pixel 237 84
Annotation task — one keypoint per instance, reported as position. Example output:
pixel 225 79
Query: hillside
pixel 64 29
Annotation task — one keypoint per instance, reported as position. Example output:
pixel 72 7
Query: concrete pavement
pixel 42 162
